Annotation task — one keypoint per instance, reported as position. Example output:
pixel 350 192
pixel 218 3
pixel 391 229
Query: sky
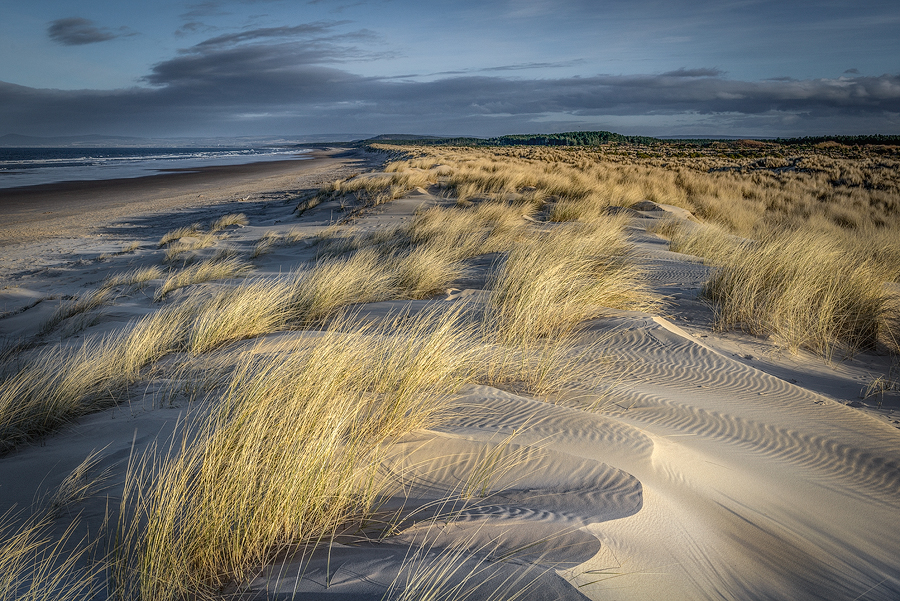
pixel 169 68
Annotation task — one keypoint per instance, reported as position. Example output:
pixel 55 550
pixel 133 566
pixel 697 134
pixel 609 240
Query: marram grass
pixel 804 290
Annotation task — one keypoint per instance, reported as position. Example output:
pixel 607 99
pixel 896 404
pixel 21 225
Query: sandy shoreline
pixel 74 208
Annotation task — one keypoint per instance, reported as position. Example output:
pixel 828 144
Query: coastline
pixel 677 459
pixel 74 208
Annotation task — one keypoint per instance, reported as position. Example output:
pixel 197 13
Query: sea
pixel 33 166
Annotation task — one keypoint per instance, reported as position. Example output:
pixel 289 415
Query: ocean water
pixel 32 166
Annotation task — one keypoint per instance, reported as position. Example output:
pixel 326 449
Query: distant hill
pixel 596 138
pixel 574 138
pixel 402 137
pixel 868 140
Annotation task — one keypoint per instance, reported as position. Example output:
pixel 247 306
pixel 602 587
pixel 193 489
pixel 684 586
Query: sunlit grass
pixel 205 271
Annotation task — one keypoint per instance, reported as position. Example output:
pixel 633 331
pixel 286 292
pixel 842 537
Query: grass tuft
pixel 137 278
pixel 179 233
pixel 553 282
pixel 41 391
pixel 291 454
pixel 35 565
pixel 189 243
pixel 228 220
pixel 805 290
pixel 79 305
pixel 206 271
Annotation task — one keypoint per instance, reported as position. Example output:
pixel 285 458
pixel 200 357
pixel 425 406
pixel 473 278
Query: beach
pixel 633 451
pixel 72 208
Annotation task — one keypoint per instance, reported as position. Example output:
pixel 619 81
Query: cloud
pixel 704 72
pixel 194 27
pixel 215 8
pixel 305 30
pixel 289 80
pixel 76 31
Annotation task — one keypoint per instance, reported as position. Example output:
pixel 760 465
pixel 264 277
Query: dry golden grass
pixel 822 291
pixel 302 299
pixel 273 239
pixel 369 189
pixel 36 565
pixel 851 199
pixel 558 279
pixel 265 244
pixel 250 309
pixel 289 457
pixel 179 233
pixel 205 271
pixel 137 278
pixel 199 241
pixel 226 221
pixel 80 304
pixel 423 271
pixel 710 242
pixel 804 290
pixel 747 195
pixel 82 482
pixel 289 454
pixel 47 388
pixel 331 284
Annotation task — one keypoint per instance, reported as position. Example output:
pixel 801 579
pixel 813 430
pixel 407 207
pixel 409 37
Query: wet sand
pixel 67 209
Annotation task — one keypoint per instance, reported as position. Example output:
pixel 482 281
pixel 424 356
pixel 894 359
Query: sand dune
pixel 702 475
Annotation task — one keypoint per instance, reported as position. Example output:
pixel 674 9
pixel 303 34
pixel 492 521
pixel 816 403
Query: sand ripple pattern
pixel 682 273
pixel 673 382
pixel 831 459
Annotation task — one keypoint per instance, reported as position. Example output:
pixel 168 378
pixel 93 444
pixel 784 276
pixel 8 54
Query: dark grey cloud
pixel 76 31
pixel 305 30
pixel 703 72
pixel 496 69
pixel 231 61
pixel 288 80
pixel 194 27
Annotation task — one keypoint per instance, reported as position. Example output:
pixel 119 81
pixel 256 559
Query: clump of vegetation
pixel 565 276
pixel 36 565
pixel 137 278
pixel 78 305
pixel 179 233
pixel 205 271
pixel 251 309
pixel 287 452
pixel 199 241
pixel 289 456
pixel 804 290
pixel 369 189
pixel 49 387
pixel 273 239
pixel 228 220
